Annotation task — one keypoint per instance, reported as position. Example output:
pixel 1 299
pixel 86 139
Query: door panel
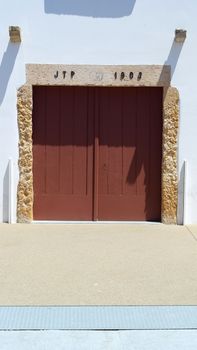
pixel 130 154
pixel 63 153
pixel 97 153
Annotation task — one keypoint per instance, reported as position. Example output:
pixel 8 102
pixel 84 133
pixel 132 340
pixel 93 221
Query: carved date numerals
pixel 127 75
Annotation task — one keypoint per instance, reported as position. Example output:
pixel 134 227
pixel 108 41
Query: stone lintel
pixel 94 75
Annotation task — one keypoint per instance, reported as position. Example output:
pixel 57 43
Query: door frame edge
pixel 169 169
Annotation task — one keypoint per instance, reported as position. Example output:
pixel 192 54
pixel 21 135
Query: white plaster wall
pixel 108 340
pixel 99 32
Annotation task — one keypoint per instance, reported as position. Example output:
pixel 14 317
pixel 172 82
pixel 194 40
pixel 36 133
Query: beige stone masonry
pixel 25 185
pixel 99 76
pixel 169 162
pixel 15 34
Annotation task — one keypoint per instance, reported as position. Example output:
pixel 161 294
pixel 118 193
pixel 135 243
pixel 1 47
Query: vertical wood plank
pixel 143 150
pixel 104 125
pixel 52 139
pixel 154 200
pixel 39 139
pixel 115 142
pixel 66 139
pixel 96 153
pixel 80 142
pixel 129 141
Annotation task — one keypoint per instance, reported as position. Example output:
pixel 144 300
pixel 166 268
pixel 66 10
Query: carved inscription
pixel 63 74
pixel 121 76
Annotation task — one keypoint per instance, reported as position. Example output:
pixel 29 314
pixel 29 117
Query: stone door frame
pixel 82 75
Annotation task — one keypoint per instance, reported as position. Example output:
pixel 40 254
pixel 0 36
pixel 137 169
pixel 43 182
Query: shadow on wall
pixel 91 8
pixel 6 67
pixel 173 57
pixel 6 195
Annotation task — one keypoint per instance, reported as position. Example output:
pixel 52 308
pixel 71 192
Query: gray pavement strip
pixel 98 317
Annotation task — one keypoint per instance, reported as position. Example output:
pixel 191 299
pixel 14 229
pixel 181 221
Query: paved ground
pixel 81 340
pixel 105 264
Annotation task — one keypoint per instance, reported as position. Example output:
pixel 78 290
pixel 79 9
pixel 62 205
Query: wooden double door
pixel 97 153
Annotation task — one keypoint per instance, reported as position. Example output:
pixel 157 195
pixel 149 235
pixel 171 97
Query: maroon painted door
pixel 130 132
pixel 97 153
pixel 62 153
